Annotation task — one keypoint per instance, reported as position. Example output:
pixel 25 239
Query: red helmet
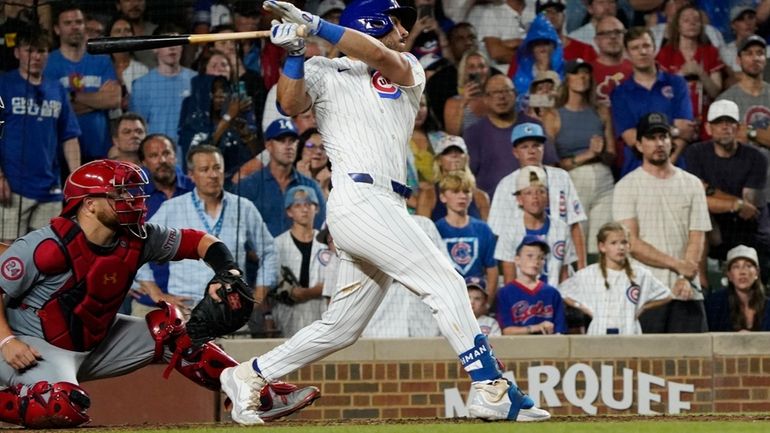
pixel 119 180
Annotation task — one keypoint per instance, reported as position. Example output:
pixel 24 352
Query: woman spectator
pixel 451 155
pixel 312 160
pixel 742 305
pixel 581 129
pixel 465 108
pixel 126 67
pixel 687 52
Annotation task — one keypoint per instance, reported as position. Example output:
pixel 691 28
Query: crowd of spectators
pixel 588 166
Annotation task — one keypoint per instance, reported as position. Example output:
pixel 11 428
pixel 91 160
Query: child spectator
pixel 477 294
pixel 532 196
pixel 614 292
pixel 527 305
pixel 469 241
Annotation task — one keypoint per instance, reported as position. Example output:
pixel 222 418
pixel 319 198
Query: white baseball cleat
pixel 255 401
pixel 501 400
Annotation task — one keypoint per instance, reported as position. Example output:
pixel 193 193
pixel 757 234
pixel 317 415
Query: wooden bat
pixel 138 43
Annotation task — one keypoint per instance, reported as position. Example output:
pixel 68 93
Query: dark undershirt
pixel 304 273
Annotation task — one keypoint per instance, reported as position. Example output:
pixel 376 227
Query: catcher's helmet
pixel 373 16
pixel 121 181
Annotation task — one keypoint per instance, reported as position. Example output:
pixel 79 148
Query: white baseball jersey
pixel 618 306
pixel 557 237
pixel 292 318
pixel 489 326
pixel 563 201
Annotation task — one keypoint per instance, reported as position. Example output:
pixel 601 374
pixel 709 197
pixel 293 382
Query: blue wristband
pixel 294 67
pixel 329 31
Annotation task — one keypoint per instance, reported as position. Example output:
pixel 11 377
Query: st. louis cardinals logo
pixel 522 311
pixel 558 250
pixel 384 88
pixel 12 269
pixel 633 293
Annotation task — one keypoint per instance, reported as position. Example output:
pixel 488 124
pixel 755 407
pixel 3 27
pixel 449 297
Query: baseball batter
pixel 365 106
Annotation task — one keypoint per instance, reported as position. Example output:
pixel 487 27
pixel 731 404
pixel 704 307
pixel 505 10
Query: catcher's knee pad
pixel 45 405
pixel 201 364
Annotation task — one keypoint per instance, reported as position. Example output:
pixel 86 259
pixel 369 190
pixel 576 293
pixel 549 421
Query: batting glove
pixel 285 36
pixel 292 14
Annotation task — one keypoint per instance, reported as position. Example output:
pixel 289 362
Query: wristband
pixel 331 32
pixel 220 259
pixel 5 340
pixel 294 67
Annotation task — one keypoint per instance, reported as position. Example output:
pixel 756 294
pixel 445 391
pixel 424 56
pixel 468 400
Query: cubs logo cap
pixel 651 123
pixel 533 240
pixel 527 131
pixel 476 283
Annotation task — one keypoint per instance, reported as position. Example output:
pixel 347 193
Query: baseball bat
pixel 138 43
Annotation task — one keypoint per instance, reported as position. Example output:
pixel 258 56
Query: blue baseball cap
pixel 528 130
pixel 476 283
pixel 307 196
pixel 279 128
pixel 534 240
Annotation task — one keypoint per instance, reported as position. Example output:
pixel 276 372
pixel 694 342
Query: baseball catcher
pixel 64 284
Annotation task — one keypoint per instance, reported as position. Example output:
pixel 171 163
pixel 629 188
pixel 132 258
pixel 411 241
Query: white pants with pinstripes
pixel 379 242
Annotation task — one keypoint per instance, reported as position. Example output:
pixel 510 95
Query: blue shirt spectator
pixel 471 248
pixel 158 98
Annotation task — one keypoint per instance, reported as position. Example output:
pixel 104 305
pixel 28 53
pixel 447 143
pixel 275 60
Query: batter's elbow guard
pixel 202 365
pixel 45 405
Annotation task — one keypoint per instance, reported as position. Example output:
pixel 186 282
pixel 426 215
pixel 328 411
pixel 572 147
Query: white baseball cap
pixel 742 252
pixel 448 141
pixel 531 175
pixel 724 108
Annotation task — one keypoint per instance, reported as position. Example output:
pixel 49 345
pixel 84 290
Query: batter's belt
pixel 397 187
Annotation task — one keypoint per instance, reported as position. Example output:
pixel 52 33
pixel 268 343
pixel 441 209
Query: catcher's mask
pixel 122 182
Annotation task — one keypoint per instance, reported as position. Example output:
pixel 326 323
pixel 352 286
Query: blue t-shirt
pixel 472 248
pixel 158 98
pixel 38 119
pixel 87 75
pixel 518 305
pixel 630 102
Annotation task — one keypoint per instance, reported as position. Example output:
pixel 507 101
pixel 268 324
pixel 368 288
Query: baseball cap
pixel 739 10
pixel 541 5
pixel 548 75
pixel 527 130
pixel 476 283
pixel 279 128
pixel 650 123
pixel 752 40
pixel 327 6
pixel 742 252
pixel 572 66
pixel 291 198
pixel 448 141
pixel 531 175
pixel 533 240
pixel 724 108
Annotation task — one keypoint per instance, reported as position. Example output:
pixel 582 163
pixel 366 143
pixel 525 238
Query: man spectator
pixel 573 48
pixel 743 21
pixel 597 10
pixel 39 125
pixel 649 90
pixel 266 187
pixel 489 139
pixel 733 175
pixel 298 301
pixel 133 11
pixel 500 31
pixel 610 68
pixel 157 154
pixel 158 95
pixel 130 129
pixel 90 80
pixel 664 209
pixel 94 27
pixel 562 202
pixel 752 94
pixel 232 219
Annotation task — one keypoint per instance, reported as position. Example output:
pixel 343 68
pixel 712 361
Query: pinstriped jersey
pixel 364 119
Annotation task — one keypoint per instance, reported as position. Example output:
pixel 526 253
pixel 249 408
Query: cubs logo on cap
pixel 527 131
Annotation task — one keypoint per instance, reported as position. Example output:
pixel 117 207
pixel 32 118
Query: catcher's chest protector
pixel 78 316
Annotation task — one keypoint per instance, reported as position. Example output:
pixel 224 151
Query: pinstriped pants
pixel 379 242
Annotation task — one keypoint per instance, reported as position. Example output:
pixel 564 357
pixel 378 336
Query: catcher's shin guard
pixel 45 405
pixel 202 365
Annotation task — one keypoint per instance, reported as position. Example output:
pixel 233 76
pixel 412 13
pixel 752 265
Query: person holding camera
pixel 428 36
pixel 467 107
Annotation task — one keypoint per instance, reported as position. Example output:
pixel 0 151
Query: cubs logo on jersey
pixel 464 252
pixel 633 293
pixel 558 249
pixel 384 87
pixel 324 256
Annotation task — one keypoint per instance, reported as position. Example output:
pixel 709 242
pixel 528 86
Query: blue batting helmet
pixel 373 16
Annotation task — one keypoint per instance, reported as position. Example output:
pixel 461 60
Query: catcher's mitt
pixel 210 319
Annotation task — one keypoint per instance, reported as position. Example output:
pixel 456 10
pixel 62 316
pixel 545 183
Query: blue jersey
pixel 518 305
pixel 472 248
pixel 38 119
pixel 88 75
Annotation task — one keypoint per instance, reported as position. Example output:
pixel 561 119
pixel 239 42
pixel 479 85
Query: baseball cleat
pixel 501 400
pixel 255 401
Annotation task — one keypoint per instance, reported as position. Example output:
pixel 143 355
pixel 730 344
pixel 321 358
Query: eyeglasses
pixel 503 92
pixel 611 33
pixel 311 145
